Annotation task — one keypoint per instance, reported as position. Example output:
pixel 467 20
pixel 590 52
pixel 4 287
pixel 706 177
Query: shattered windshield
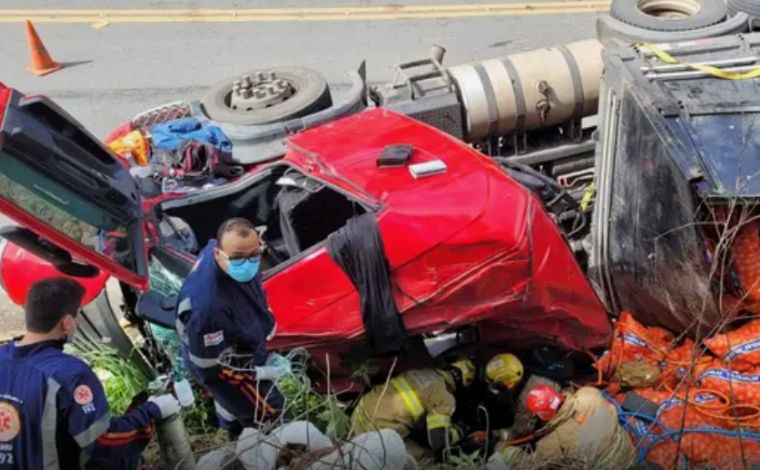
pixel 65 211
pixel 730 148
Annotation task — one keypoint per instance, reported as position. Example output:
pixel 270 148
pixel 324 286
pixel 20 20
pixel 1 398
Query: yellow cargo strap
pixel 438 420
pixel 708 69
pixel 587 196
pixel 409 396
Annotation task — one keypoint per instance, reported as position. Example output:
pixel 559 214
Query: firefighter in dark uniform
pixel 53 411
pixel 222 308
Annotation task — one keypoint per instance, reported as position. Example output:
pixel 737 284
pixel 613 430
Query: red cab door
pixel 60 182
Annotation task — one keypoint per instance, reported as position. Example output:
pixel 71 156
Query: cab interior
pixel 291 211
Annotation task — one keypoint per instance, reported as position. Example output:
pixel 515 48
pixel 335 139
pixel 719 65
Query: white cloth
pixel 257 451
pixel 374 450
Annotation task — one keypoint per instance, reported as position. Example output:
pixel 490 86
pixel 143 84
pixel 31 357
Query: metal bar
pixel 424 76
pixel 694 48
pixel 715 63
pixel 695 73
pixel 556 153
pixel 414 63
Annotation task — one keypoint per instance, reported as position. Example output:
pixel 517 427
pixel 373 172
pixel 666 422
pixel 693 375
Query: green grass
pixel 121 379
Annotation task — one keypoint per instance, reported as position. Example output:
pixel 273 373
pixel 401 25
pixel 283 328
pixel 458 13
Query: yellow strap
pixel 437 420
pixel 587 196
pixel 708 69
pixel 409 396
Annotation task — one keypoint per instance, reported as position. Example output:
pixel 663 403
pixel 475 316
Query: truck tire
pixel 309 94
pixel 669 15
pixel 750 7
pixel 612 32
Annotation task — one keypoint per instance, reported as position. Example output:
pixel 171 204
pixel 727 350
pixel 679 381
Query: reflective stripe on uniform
pixel 96 429
pixel 409 396
pixel 438 420
pixel 201 362
pixel 48 427
pixel 184 306
pixel 223 413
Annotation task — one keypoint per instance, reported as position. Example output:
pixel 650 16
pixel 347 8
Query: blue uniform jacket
pixel 216 313
pixel 54 414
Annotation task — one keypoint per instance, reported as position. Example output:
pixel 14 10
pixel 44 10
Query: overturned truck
pixel 645 206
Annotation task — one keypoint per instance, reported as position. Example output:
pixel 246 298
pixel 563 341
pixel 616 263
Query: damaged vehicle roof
pixel 469 246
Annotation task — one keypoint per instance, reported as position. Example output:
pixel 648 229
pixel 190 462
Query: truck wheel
pixel 669 15
pixel 612 32
pixel 267 96
pixel 750 7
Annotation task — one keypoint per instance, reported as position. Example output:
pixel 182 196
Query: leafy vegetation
pixel 121 379
pixel 325 412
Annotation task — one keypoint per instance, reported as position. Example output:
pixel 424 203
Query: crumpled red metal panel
pixel 470 246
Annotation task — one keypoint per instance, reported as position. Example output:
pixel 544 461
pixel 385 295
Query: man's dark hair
pixel 49 300
pixel 242 226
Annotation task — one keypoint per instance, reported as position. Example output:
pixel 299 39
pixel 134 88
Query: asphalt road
pixel 130 55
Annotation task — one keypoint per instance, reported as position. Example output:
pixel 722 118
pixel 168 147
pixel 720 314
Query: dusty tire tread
pixel 628 11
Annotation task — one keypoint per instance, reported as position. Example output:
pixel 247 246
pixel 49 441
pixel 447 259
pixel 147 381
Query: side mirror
pixel 58 257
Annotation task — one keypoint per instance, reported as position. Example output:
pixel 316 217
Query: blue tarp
pixel 169 136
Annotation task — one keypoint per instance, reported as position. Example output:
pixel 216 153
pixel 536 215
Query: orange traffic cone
pixel 41 62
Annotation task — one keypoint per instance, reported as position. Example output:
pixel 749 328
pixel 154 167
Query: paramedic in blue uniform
pixel 53 412
pixel 221 309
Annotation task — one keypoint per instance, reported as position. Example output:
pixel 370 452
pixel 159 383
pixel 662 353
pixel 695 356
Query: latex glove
pixel 167 404
pixel 275 367
pixel 278 360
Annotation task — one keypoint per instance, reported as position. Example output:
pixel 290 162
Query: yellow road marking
pixel 220 15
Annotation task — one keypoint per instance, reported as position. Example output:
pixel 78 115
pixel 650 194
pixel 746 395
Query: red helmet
pixel 543 401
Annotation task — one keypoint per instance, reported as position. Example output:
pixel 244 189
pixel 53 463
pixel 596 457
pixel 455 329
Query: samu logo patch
pixel 213 339
pixel 10 423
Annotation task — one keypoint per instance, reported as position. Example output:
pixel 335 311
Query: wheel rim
pixel 670 9
pixel 260 91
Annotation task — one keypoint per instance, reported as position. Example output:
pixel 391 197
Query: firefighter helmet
pixel 543 401
pixel 505 370
pixel 464 372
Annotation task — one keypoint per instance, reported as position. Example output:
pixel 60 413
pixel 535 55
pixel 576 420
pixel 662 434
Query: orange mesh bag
pixel 675 413
pixel 720 451
pixel 680 365
pixel 739 348
pixel 738 386
pixel 633 341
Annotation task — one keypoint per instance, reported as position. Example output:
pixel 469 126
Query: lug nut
pixel 259 94
pixel 260 76
pixel 271 75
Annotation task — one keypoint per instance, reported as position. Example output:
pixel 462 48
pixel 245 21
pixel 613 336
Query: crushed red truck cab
pixel 469 246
